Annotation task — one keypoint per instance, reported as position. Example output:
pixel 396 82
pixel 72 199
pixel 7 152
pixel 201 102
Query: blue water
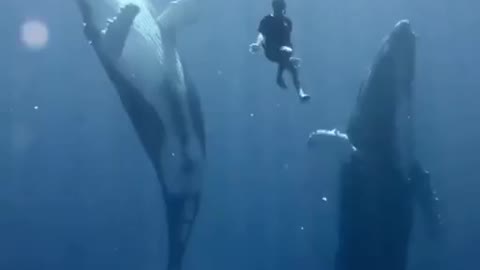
pixel 78 192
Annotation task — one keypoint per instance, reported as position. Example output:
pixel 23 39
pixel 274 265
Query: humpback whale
pixel 137 48
pixel 381 180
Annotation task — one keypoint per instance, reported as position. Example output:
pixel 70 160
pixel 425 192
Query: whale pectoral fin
pixel 196 113
pixel 118 29
pixel 91 31
pixel 332 143
pixel 426 198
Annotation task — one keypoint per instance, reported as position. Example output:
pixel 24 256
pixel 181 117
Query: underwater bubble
pixel 324 199
pixel 252 115
pixel 302 228
pixel 35 107
pixel 34 34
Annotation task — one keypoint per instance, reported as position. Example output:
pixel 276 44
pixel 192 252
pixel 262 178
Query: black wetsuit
pixel 277 31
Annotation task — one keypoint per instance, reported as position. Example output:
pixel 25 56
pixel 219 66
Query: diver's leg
pixel 294 73
pixel 296 61
pixel 290 64
pixel 280 80
pixel 296 81
pixel 274 55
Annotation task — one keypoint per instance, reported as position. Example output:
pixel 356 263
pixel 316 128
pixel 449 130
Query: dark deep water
pixel 76 188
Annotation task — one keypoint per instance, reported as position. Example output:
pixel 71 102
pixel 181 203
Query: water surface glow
pixel 34 34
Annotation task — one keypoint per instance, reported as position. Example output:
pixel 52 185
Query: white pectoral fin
pixel 179 13
pixel 91 31
pixel 332 142
pixel 326 134
pixel 118 28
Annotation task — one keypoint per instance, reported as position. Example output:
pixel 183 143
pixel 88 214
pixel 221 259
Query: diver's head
pixel 279 7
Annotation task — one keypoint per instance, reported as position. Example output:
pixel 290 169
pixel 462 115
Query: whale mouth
pixel 403 26
pixel 402 36
pixel 402 48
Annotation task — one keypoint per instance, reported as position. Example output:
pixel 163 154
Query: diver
pixel 274 36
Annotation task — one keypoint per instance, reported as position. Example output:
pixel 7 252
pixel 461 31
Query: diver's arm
pixel 255 47
pixel 260 39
